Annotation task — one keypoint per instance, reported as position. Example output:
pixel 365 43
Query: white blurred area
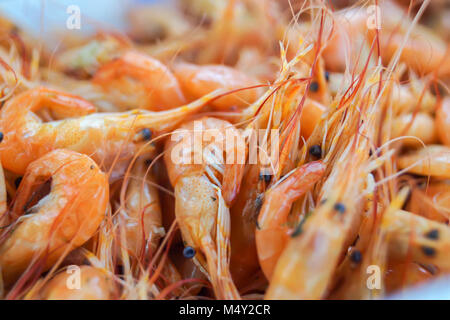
pixel 438 289
pixel 46 19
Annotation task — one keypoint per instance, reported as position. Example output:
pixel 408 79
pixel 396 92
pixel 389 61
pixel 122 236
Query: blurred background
pixel 49 16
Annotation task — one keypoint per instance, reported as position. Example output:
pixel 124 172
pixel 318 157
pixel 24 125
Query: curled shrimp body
pixel 155 87
pixel 197 81
pixel 271 233
pixel 433 160
pixel 421 126
pixel 61 221
pixel 406 97
pixel 94 285
pixel 109 138
pixel 422 51
pixel 340 48
pixel 200 208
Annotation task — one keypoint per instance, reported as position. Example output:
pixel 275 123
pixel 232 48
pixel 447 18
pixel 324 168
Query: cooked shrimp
pixel 413 97
pixel 310 116
pixel 443 121
pixel 422 51
pixel 61 221
pixel 156 22
pixel 307 264
pixel 433 160
pixel 200 207
pixel 244 214
pixel 84 60
pixel 141 216
pixel 135 80
pixel 421 126
pixel 271 232
pixel 109 138
pixel 345 111
pixel 370 249
pixel 95 284
pixel 346 42
pixel 425 241
pixel 432 201
pixel 244 260
pixel 197 81
pixel 405 274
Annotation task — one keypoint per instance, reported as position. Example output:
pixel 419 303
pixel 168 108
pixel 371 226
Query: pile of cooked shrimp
pixel 354 203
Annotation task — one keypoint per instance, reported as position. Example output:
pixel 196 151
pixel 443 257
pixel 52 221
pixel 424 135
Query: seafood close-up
pixel 227 149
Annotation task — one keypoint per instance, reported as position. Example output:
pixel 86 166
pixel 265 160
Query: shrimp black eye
pixel 265 177
pixel 146 134
pixel 315 151
pixel 189 252
pixel 432 234
pixel 356 256
pixel 428 251
pixel 339 207
pixel 327 76
pixel 1 136
pixel 314 87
